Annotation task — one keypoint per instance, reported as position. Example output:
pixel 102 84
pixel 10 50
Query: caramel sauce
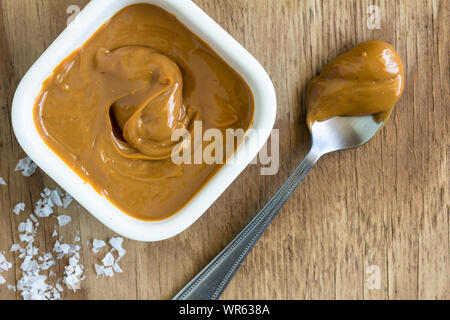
pixel 110 108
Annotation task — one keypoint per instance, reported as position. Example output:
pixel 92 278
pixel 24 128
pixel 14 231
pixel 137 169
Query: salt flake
pixel 63 220
pixel 108 260
pixel 56 198
pixel 97 244
pixel 26 166
pixel 15 247
pixel 67 200
pixel 117 268
pixel 4 264
pixel 19 208
pixel 116 243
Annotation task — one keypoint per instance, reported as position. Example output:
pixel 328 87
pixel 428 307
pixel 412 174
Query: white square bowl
pixel 90 19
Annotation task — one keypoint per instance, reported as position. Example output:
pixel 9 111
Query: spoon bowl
pixel 340 133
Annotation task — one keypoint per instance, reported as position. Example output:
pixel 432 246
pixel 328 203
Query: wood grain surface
pixel 385 204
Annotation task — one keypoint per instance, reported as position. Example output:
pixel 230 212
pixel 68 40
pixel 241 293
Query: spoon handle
pixel 211 282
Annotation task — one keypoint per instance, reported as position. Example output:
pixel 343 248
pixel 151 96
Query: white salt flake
pixel 108 260
pixel 63 220
pixel 47 261
pixel 116 243
pixel 19 208
pixel 109 272
pixel 26 238
pixel 22 226
pixel 11 288
pixel 2 280
pixel 117 268
pixel 47 256
pixel 4 264
pixel 100 270
pixel 26 166
pixel 29 264
pixel 46 192
pixel 104 272
pixel 47 265
pixel 54 234
pixel 97 244
pixel 44 212
pixel 72 282
pixel 15 247
pixel 59 288
pixel 2 182
pixel 29 226
pixel 56 198
pixel 67 200
pixel 34 219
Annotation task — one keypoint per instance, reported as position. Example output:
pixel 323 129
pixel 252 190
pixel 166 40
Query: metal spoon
pixel 335 134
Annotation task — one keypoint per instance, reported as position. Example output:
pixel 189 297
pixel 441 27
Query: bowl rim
pixel 88 21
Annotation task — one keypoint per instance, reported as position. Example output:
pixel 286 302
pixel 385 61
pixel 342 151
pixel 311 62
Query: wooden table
pixel 382 208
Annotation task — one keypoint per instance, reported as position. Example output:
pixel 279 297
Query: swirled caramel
pixel 367 80
pixel 109 110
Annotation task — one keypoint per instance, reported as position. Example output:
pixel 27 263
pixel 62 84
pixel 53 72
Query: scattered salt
pixel 2 182
pixel 33 284
pixel 50 199
pixel 29 264
pixel 110 264
pixel 26 166
pixel 74 270
pixel 47 261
